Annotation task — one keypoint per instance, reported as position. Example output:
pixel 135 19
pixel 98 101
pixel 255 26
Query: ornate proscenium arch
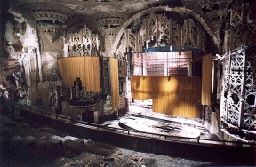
pixel 183 10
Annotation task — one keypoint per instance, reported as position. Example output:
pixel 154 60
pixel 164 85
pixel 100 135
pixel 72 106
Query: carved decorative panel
pixel 185 33
pixel 236 88
pixel 83 42
pixel 159 30
pixel 175 34
pixel 143 32
pixel 164 27
pixel 249 120
pixel 152 26
pixel 131 39
pixel 49 14
pixel 109 21
pixel 238 96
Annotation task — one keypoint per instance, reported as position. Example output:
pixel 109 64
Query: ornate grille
pixel 238 96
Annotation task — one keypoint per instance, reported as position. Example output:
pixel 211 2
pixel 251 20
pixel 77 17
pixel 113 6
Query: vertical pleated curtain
pixel 75 68
pixel 142 87
pixel 114 82
pixel 86 68
pixel 207 80
pixel 92 77
pixel 176 96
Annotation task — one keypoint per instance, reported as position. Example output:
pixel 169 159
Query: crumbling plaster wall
pixel 51 48
pixel 232 21
pixel 20 53
pixel 22 45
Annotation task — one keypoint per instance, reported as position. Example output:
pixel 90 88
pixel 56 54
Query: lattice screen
pixel 238 96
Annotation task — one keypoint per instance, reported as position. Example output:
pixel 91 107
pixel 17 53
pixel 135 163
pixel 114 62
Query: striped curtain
pixel 207 80
pixel 142 87
pixel 176 96
pixel 114 82
pixel 86 67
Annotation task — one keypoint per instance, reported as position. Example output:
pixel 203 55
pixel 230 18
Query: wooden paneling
pixel 87 68
pixel 114 83
pixel 207 80
pixel 176 96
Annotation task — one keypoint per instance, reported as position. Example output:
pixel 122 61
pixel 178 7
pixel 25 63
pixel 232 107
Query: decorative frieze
pixel 48 15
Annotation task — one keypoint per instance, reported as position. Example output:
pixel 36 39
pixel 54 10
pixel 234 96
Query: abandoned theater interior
pixel 162 77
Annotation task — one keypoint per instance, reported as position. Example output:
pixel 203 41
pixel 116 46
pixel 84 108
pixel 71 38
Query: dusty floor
pixel 24 144
pixel 143 119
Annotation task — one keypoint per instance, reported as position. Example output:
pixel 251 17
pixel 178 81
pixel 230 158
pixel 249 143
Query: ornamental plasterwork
pixel 161 31
pixel 238 95
pixel 82 43
pixel 48 14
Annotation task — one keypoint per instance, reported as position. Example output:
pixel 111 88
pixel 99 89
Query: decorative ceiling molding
pixel 47 12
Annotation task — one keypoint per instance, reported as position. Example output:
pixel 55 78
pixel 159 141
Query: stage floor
pixel 141 120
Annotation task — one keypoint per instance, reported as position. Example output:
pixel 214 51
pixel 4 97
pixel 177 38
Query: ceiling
pixel 92 11
pixel 95 7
